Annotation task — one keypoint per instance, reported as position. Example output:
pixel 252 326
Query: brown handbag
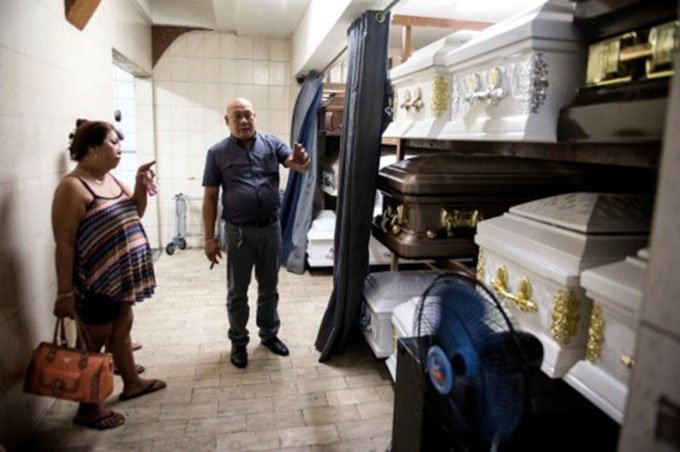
pixel 57 370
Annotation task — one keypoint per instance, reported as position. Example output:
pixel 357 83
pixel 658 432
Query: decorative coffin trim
pixel 539 82
pixel 480 264
pixel 565 316
pixel 440 96
pixel 595 334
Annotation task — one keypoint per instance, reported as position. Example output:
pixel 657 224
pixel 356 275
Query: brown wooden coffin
pixel 432 204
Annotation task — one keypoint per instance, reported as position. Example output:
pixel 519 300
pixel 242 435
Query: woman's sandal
pixel 140 369
pixel 105 422
pixel 153 386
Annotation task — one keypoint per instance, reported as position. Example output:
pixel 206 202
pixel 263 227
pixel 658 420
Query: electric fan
pixel 475 364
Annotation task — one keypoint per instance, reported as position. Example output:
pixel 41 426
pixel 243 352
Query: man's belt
pixel 259 223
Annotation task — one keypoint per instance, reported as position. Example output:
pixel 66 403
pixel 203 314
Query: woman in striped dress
pixel 103 259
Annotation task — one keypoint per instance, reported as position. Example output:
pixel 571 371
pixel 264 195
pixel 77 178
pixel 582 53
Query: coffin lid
pixel 588 213
pixel 551 20
pixel 432 54
pixel 619 286
pixel 539 240
pixel 455 174
pixel 385 290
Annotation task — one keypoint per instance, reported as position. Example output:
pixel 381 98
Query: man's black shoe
pixel 276 346
pixel 239 356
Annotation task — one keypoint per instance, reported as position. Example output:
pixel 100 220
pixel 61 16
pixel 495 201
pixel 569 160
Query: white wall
pixel 194 80
pixel 51 73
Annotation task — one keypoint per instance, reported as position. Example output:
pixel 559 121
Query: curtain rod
pixel 379 16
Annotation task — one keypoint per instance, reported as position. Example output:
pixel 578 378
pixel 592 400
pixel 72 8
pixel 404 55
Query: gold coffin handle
pixel 406 105
pixel 449 221
pixel 522 298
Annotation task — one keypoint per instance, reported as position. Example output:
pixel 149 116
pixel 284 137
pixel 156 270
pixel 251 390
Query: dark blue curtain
pixel 297 204
pixel 363 121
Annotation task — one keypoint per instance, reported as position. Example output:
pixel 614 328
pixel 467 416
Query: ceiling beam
pixel 164 35
pixel 79 12
pixel 418 21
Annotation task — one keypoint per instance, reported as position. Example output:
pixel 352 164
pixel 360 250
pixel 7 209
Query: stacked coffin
pixel 507 83
pixel 432 204
pixel 422 88
pixel 616 290
pixel 383 291
pixel 533 256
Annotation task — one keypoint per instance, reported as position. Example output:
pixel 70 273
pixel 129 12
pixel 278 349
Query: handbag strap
pixel 84 337
pixel 59 336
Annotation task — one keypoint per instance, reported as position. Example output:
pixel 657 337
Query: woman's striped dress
pixel 112 255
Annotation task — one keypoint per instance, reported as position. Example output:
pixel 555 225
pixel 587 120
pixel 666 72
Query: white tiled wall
pixel 124 101
pixel 194 80
pixel 50 74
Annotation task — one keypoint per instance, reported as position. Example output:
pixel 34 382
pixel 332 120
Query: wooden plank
pixel 79 12
pixel 406 48
pixel 418 21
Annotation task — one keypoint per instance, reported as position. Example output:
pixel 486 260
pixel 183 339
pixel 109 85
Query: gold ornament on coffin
pixel 522 298
pixel 565 316
pixel 595 334
pixel 440 96
pixel 480 265
pixel 393 219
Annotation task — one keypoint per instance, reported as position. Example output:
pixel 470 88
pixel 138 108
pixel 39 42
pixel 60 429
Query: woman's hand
pixel 65 306
pixel 145 177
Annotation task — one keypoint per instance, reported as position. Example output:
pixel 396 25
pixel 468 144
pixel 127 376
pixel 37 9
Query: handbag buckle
pixel 57 387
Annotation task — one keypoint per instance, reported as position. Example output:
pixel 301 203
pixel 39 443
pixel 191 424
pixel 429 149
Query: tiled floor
pixel 293 403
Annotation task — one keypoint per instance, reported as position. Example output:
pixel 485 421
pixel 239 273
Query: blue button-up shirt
pixel 249 177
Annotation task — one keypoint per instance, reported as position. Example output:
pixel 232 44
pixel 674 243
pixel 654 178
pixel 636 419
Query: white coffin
pixel 422 90
pixel 616 290
pixel 402 326
pixel 383 291
pixel 533 257
pixel 509 82
pixel 320 241
pixel 320 238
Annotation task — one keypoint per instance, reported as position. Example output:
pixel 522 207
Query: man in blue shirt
pixel 246 166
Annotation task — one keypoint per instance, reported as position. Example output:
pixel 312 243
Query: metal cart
pixel 181 208
pixel 179 241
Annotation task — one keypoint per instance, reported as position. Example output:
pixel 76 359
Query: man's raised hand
pixel 299 160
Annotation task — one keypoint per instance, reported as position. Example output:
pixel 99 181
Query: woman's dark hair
pixel 88 134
